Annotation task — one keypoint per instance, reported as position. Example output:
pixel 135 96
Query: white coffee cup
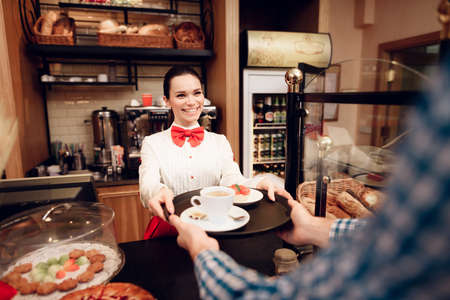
pixel 215 201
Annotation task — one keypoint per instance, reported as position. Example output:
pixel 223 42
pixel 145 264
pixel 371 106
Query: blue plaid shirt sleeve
pixel 402 253
pixel 342 227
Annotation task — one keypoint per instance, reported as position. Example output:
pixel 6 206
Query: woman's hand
pixel 164 196
pixel 307 229
pixel 192 238
pixel 272 189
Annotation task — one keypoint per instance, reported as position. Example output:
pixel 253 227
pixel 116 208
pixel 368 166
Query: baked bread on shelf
pixel 154 29
pixel 54 28
pixel 48 21
pixel 188 32
pixel 188 35
pixel 62 25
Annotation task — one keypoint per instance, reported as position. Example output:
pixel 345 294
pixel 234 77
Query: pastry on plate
pixel 242 193
pixel 116 290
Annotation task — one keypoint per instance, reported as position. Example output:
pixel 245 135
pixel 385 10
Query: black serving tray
pixel 265 215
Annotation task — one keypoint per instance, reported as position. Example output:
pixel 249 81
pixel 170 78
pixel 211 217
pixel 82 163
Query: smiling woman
pixel 187 157
pixel 185 96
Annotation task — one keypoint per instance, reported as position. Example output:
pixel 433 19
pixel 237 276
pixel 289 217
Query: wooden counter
pixel 131 218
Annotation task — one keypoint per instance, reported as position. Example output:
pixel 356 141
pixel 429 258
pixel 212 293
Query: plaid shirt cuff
pixel 342 227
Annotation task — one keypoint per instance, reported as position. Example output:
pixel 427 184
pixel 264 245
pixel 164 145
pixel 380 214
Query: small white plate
pixel 253 197
pixel 207 225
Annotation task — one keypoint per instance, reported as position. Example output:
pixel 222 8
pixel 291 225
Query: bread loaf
pixel 336 211
pixel 48 21
pixel 309 204
pixel 372 199
pixel 154 29
pixel 352 206
pixel 62 25
pixel 108 26
pixel 188 32
pixel 333 212
pixel 132 29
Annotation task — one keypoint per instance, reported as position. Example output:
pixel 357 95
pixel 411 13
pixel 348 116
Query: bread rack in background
pixel 54 28
pixel 112 34
pixel 188 25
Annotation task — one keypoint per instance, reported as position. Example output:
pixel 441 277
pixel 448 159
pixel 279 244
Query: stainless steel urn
pixel 105 123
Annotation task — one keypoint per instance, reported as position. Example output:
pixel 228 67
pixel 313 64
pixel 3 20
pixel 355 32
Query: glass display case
pixel 343 126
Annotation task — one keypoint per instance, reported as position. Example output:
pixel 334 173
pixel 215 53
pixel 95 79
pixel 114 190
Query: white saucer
pixel 253 197
pixel 228 225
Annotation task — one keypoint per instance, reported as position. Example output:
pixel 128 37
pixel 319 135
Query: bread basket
pixel 308 190
pixel 54 39
pixel 190 44
pixel 134 40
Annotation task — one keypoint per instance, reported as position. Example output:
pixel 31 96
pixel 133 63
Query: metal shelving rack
pixel 131 56
pixel 30 11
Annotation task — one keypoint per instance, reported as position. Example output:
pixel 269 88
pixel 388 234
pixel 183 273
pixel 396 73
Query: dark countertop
pixel 166 270
pixel 116 181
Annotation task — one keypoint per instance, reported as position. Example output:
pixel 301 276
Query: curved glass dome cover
pixel 53 225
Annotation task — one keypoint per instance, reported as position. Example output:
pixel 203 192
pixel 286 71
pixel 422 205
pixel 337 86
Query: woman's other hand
pixel 272 189
pixel 192 238
pixel 307 229
pixel 164 196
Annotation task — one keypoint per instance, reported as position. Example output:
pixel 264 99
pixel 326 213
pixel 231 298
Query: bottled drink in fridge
pixel 256 147
pixel 273 146
pixel 259 110
pixel 283 110
pixel 268 112
pixel 266 153
pixel 282 171
pixel 276 110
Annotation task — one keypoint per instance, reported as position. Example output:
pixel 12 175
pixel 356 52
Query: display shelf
pixel 277 161
pixel 101 52
pixel 269 126
pixel 123 8
pixel 112 84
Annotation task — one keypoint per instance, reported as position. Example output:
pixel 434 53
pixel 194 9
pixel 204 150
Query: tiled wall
pixel 70 108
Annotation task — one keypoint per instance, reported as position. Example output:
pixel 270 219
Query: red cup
pixel 146 99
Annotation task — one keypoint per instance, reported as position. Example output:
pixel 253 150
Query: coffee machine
pixel 140 122
pixel 146 120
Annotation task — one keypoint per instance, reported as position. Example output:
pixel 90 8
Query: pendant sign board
pixel 287 49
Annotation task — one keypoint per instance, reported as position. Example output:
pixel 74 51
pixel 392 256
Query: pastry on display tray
pixel 52 272
pixel 116 290
pixel 52 250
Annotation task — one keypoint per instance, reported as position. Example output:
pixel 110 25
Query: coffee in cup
pixel 215 201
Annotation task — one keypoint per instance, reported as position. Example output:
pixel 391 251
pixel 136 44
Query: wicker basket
pixel 190 45
pixel 54 39
pixel 308 190
pixel 134 40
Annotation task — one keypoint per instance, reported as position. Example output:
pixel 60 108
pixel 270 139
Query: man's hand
pixel 192 238
pixel 164 196
pixel 272 189
pixel 307 228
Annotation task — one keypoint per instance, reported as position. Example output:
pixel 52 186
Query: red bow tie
pixel 195 136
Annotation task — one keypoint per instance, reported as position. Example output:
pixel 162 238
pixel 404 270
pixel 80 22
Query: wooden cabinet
pixel 131 218
pixel 22 121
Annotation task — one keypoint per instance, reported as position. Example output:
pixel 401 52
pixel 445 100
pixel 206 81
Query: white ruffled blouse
pixel 187 168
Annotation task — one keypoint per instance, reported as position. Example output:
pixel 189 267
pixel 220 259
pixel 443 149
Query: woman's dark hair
pixel 174 72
